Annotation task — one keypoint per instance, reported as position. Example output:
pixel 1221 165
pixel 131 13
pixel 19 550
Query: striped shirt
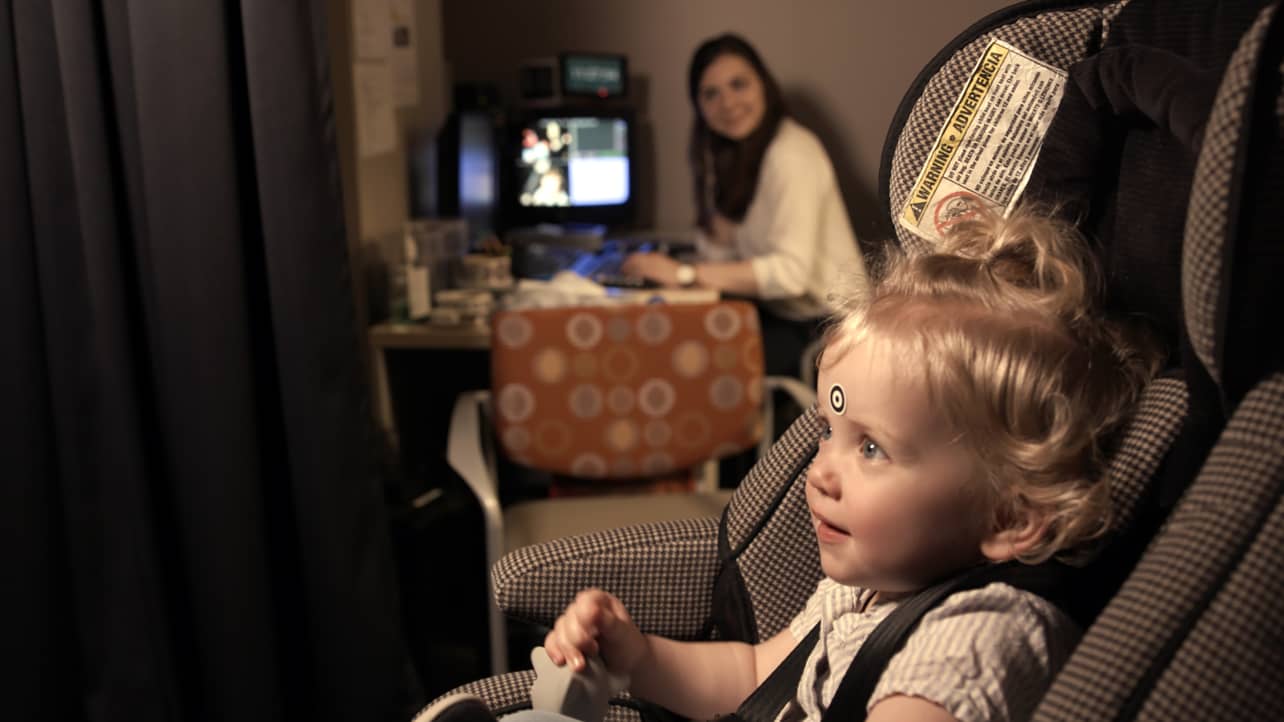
pixel 982 654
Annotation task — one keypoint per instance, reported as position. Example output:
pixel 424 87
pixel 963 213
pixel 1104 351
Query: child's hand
pixel 596 623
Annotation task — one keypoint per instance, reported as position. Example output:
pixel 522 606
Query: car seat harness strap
pixel 850 701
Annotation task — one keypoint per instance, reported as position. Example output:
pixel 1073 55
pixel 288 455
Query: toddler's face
pixel 895 498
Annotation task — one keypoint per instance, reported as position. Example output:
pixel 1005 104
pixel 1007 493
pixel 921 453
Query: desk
pixel 468 336
pixel 384 336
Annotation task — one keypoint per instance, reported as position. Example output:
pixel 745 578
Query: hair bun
pixel 1039 258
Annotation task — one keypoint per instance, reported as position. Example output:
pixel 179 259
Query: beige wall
pixel 843 64
pixel 375 191
pixel 380 182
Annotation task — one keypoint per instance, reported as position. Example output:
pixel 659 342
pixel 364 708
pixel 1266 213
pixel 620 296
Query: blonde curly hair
pixel 1002 321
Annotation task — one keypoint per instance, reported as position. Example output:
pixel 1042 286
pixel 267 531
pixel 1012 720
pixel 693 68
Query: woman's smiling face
pixel 731 97
pixel 896 499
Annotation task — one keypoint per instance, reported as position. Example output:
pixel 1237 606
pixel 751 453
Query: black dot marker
pixel 837 399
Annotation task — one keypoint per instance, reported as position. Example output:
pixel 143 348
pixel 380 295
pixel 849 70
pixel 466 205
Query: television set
pixel 569 165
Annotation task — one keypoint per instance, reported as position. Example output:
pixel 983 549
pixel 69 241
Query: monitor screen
pixel 573 166
pixel 458 173
pixel 594 74
pixel 478 180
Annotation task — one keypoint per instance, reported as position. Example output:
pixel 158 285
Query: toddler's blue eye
pixel 871 450
pixel 827 433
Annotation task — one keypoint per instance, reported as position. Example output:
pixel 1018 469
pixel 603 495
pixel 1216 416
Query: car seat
pixel 1180 190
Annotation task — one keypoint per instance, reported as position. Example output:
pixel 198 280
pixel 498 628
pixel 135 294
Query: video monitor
pixel 457 173
pixel 572 166
pixel 598 75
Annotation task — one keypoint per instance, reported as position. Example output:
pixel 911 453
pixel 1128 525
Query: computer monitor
pixel 571 165
pixel 595 75
pixel 458 173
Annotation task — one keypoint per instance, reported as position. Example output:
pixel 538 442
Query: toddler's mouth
pixel 825 528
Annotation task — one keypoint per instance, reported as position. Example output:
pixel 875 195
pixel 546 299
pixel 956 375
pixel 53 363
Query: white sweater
pixel 795 232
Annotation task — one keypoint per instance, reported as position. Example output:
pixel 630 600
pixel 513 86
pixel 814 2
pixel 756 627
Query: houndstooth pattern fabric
pixel 1214 522
pixel 757 493
pixel 1247 616
pixel 1108 15
pixel 771 536
pixel 1212 213
pixel 535 583
pixel 662 572
pixel 1059 38
pixel 503 693
pixel 507 693
pixel 1145 441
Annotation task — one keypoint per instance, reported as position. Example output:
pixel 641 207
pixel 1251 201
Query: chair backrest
pixel 1194 631
pixel 627 391
pixel 1119 159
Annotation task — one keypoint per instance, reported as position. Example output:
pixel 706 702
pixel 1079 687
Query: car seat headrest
pixel 1233 254
pixel 1119 157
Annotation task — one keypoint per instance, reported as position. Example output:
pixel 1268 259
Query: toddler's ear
pixel 1022 534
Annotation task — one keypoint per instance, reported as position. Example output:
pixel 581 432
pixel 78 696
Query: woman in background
pixel 773 226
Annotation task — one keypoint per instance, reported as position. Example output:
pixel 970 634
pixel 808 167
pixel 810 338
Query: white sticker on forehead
pixel 837 399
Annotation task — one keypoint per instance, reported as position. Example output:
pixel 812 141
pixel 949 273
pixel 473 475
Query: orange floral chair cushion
pixel 626 391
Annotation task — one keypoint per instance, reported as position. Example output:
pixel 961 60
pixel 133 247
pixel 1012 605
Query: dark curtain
pixel 192 527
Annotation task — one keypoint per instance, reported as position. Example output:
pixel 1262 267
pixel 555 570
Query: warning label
pixel 990 140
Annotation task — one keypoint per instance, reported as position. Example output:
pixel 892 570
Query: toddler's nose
pixel 822 477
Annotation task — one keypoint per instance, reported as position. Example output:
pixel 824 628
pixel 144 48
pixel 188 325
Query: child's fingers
pixel 594 617
pixel 580 636
pixel 613 617
pixel 570 641
pixel 590 604
pixel 553 645
pixel 558 651
pixel 595 623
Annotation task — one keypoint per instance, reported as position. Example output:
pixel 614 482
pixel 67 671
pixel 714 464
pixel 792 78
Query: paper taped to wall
pixel 376 115
pixel 403 57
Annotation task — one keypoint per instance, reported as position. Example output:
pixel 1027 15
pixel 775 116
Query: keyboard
pixel 619 280
pixel 603 265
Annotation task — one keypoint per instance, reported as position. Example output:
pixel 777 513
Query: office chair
pixel 606 394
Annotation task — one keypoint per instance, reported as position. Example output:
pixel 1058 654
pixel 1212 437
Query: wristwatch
pixel 686 275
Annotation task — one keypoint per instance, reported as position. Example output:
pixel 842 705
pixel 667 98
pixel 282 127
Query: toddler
pixel 969 399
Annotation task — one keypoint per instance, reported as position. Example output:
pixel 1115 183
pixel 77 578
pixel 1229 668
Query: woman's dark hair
pixel 725 171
